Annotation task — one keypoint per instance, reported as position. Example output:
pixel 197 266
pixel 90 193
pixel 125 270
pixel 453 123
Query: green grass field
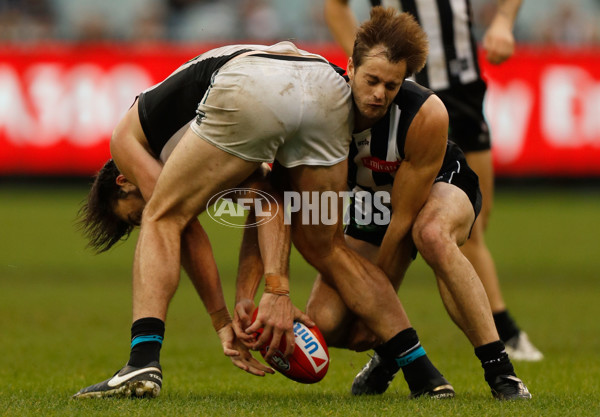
pixel 65 318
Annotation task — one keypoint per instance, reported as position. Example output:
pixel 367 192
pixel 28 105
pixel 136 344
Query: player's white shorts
pixel 262 108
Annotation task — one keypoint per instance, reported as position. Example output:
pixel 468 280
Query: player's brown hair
pixel 400 35
pixel 96 217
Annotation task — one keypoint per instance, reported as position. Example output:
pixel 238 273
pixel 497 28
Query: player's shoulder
pixel 412 93
pixel 430 114
pixel 413 96
pixel 435 111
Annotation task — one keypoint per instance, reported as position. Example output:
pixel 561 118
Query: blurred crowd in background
pixel 561 22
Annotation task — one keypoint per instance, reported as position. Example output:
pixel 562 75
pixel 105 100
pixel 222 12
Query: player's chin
pixel 374 113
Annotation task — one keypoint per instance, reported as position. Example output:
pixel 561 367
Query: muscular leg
pixel 368 294
pixel 475 249
pixel 194 172
pixel 442 225
pixel 362 286
pixel 336 322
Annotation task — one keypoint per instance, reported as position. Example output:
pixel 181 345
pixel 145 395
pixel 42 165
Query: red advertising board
pixel 60 102
pixel 543 106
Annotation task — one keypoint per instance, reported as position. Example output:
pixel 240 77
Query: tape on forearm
pixel 276 284
pixel 220 318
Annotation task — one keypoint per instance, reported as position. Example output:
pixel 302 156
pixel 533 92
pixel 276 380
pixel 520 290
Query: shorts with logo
pixel 468 128
pixel 455 171
pixel 262 108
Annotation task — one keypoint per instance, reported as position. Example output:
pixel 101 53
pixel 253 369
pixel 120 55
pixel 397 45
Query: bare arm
pixel 199 263
pixel 266 250
pixel 342 23
pixel 250 272
pixel 132 155
pixel 498 41
pixel 425 147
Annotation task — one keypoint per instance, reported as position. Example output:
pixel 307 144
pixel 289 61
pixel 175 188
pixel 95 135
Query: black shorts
pixel 455 171
pixel 468 128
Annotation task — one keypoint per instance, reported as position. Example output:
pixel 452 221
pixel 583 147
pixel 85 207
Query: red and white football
pixel 310 360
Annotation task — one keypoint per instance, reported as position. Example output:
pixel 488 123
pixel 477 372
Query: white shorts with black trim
pixel 295 110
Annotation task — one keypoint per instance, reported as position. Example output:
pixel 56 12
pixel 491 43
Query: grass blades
pixel 65 318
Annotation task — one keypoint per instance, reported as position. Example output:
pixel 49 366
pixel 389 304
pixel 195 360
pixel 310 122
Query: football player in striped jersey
pixel 452 72
pixel 400 147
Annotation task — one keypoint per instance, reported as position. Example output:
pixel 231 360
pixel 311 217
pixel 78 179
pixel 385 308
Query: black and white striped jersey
pixel 376 153
pixel 452 59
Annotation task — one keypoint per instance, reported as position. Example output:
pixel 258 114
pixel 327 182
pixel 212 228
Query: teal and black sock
pixel 406 351
pixel 506 325
pixel 146 340
pixel 494 360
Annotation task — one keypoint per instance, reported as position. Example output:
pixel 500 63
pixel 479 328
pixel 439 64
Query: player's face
pixel 374 85
pixel 130 208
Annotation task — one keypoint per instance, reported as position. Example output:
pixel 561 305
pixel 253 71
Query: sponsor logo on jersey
pixel 379 165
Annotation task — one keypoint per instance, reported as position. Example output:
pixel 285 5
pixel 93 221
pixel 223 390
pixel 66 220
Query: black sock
pixel 406 351
pixel 506 325
pixel 146 340
pixel 494 360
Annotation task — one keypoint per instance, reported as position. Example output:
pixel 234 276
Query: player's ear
pixel 350 69
pixel 121 180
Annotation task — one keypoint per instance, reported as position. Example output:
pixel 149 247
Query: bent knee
pixel 328 323
pixel 432 240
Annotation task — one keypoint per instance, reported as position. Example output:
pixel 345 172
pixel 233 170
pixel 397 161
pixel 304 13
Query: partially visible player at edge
pixel 453 73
